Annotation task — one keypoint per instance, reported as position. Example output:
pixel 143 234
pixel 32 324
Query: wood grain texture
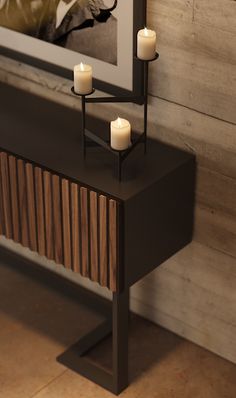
pixel 40 211
pixel 197 57
pixel 2 218
pixel 193 294
pixel 75 228
pixel 22 194
pixel 113 244
pixel 14 198
pixel 49 236
pixel 66 212
pixel 221 15
pixel 67 223
pixel 84 231
pixel 103 239
pixel 29 172
pixel 6 195
pixel 94 236
pixel 57 219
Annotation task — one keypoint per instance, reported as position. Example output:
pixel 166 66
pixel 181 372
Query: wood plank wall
pixel 193 106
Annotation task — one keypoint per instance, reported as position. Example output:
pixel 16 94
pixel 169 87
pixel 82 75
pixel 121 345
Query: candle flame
pixel 82 66
pixel 119 121
pixel 145 31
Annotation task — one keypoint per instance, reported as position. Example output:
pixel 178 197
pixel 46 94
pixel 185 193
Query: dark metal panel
pixel 159 222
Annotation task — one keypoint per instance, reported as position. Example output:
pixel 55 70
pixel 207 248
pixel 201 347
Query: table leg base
pixel 75 358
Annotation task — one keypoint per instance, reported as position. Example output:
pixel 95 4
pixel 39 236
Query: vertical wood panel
pixel 14 198
pixel 2 220
pixel 84 231
pixel 94 236
pixel 113 240
pixel 57 219
pixel 103 240
pixel 66 223
pixel 48 215
pixel 6 195
pixel 75 228
pixel 23 202
pixel 31 207
pixel 40 211
pixel 69 224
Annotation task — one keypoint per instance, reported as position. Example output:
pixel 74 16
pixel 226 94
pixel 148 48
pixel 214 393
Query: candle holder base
pixel 82 95
pixel 93 138
pixel 121 155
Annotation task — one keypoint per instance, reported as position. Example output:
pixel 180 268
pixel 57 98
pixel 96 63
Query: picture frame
pixel 124 78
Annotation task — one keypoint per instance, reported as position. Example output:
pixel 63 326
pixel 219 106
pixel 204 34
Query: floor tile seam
pixel 48 384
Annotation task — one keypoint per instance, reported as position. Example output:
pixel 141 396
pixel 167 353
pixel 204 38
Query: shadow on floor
pixel 47 303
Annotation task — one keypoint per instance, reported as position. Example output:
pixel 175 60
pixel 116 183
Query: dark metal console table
pixel 77 213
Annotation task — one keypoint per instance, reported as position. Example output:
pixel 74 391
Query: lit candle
pixel 120 134
pixel 146 45
pixel 83 79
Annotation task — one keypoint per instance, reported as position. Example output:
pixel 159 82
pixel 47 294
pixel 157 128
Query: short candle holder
pixel 121 155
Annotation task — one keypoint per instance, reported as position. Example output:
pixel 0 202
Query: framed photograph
pixel 57 34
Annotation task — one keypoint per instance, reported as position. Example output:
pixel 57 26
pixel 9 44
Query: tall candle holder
pixel 121 155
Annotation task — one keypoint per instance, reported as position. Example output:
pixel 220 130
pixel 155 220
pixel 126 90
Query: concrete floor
pixel 38 322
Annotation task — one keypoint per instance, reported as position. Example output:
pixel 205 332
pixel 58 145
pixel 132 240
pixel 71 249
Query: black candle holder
pixel 121 155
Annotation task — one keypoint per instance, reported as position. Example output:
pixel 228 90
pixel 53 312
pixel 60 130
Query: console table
pixel 77 213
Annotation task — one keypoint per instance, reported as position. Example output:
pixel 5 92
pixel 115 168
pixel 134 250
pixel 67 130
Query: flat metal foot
pixel 75 358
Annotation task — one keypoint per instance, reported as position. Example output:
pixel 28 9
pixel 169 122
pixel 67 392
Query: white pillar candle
pixel 146 44
pixel 83 79
pixel 120 134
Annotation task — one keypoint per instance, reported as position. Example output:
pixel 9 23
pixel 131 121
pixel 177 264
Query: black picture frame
pixel 139 21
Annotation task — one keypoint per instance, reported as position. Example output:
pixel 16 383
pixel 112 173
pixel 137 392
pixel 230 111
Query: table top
pixel 49 134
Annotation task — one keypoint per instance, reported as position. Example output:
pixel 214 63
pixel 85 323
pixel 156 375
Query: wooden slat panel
pixel 2 220
pixel 23 202
pixel 40 211
pixel 57 219
pixel 14 198
pixel 94 236
pixel 103 240
pixel 48 215
pixel 84 231
pixel 66 223
pixel 113 244
pixel 31 207
pixel 6 195
pixel 75 228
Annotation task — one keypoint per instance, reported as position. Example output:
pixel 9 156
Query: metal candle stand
pixel 142 138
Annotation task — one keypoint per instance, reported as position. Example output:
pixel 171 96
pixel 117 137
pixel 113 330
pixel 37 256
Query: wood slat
pixel 113 244
pixel 31 207
pixel 66 223
pixel 2 219
pixel 57 219
pixel 103 240
pixel 94 236
pixel 75 228
pixel 14 198
pixel 69 224
pixel 6 195
pixel 48 215
pixel 23 202
pixel 84 231
pixel 40 215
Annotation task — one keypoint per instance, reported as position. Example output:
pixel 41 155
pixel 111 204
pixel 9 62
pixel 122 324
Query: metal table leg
pixel 75 357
